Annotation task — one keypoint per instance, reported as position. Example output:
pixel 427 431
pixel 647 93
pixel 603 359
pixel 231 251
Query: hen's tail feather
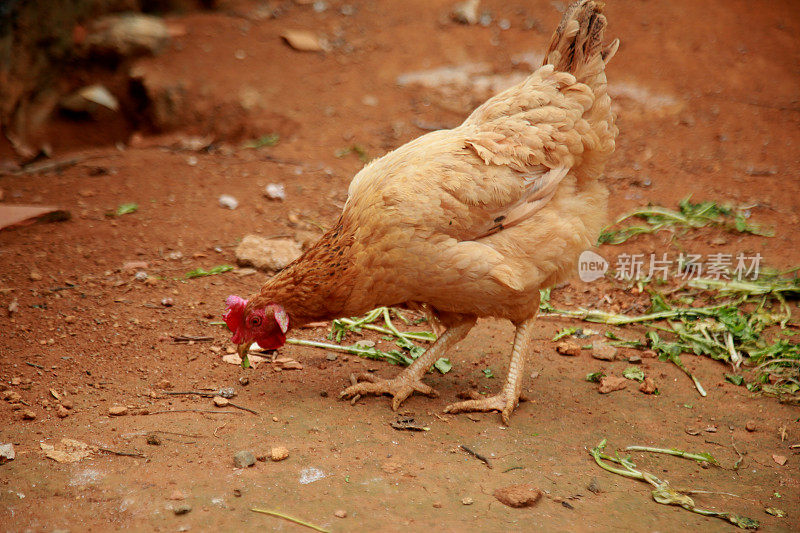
pixel 577 44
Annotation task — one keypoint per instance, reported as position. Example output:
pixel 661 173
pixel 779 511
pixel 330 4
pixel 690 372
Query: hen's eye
pixel 255 321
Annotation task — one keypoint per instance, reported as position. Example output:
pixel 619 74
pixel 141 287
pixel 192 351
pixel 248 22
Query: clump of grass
pixel 689 216
pixel 746 329
pixel 407 350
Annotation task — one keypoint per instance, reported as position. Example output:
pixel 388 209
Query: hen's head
pixel 267 325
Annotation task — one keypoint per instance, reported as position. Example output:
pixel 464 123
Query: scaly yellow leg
pixel 508 398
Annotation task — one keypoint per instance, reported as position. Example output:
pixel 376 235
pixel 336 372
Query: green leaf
pixel 487 373
pixel 265 140
pixel 126 209
pixel 199 272
pixel 775 512
pixel 633 372
pixel 595 377
pixel 443 365
pixel 735 379
pixel 565 333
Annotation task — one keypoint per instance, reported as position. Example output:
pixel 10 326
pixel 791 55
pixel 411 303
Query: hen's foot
pixel 399 388
pixel 503 402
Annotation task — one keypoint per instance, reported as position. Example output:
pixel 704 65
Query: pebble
pixel 16 381
pixel 635 359
pixel 278 453
pixel 603 351
pixel 140 276
pixel 243 459
pixel 648 386
pixel 750 425
pixel 568 348
pixel 153 440
pixel 177 495
pixel 331 357
pixel 35 276
pixel 182 509
pixel 611 384
pixel 467 501
pixel 70 319
pixel 219 401
pixel 7 453
pixel 117 410
pixel 437 505
pixel 27 414
pixel 266 254
pixel 62 412
pixel 275 191
pixel 244 381
pixel 167 302
pixel 522 495
pixel 340 513
pixel 227 201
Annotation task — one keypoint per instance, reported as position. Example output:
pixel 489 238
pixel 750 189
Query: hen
pixel 467 223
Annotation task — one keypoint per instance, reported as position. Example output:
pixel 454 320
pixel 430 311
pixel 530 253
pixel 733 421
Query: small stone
pixel 62 412
pixel 266 254
pixel 603 351
pixel 243 459
pixel 117 410
pixel 780 459
pixel 340 513
pixel 167 302
pixel 177 495
pixel 12 396
pixel 611 384
pixel 275 191
pixel 153 440
pixel 164 384
pixel 278 453
pixel 467 501
pixel 140 276
pixel 649 354
pixel 35 276
pixel 7 453
pixel 437 505
pixel 648 386
pixel 237 493
pixel 466 12
pixel 750 425
pixel 27 414
pixel 219 401
pixel 16 381
pixel 594 486
pixel 568 348
pixel 635 359
pixel 70 319
pixel 182 509
pixel 274 418
pixel 228 202
pixel 522 495
pixel 331 357
pixel 244 381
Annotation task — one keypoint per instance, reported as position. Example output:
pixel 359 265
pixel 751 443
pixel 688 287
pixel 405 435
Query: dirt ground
pixel 708 105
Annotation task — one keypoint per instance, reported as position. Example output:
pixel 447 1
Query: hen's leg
pixel 410 379
pixel 507 400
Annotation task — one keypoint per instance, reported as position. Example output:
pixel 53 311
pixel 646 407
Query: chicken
pixel 467 223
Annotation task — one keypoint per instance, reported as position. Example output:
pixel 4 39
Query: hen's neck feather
pixel 317 284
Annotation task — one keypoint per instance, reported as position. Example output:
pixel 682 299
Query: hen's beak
pixel 243 349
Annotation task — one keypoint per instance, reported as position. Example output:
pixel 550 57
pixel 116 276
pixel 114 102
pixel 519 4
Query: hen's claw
pixel 499 402
pixel 399 388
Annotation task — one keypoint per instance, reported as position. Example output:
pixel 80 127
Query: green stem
pixel 677 453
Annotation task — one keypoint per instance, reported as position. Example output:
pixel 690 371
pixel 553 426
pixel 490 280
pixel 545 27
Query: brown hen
pixel 467 223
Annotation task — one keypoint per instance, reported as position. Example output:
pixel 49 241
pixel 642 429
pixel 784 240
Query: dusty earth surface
pixel 707 98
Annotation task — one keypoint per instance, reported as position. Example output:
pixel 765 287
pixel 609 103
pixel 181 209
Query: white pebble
pixel 275 191
pixel 228 201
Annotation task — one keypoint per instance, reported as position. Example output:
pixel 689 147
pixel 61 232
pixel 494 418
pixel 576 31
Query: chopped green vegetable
pixel 126 209
pixel 634 373
pixel 199 272
pixel 265 140
pixel 487 373
pixel 595 377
